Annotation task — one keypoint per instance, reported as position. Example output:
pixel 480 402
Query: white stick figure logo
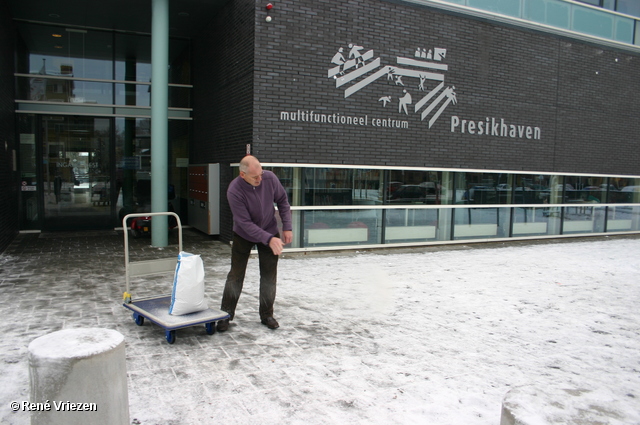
pixel 361 69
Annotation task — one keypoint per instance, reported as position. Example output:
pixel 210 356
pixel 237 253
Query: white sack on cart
pixel 188 285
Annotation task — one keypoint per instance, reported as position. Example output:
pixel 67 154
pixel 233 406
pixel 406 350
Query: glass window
pixel 285 175
pixel 489 205
pixel 536 189
pixel 55 56
pixel 503 7
pixel 29 217
pixel 133 63
pixel 481 223
pixel 58 51
pixel 529 221
pixel 132 57
pixel 534 10
pixel 179 137
pixel 624 29
pixel 481 188
pixel 410 225
pixel 341 227
pixel 133 165
pixel 341 186
pixel 76 171
pixel 133 161
pixel 140 95
pixel 559 14
pixel 583 218
pixel 630 7
pixel 623 190
pixel 413 187
pixel 328 186
pixel 623 218
pixel 580 189
pixel 133 94
pixel 89 54
pixel 594 22
pixel 367 185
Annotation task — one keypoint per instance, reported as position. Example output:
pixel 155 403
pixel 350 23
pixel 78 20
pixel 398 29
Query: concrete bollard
pixel 79 376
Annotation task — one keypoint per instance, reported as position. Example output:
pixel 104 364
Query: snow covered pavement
pixel 428 335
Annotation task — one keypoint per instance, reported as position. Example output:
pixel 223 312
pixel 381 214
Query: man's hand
pixel 276 245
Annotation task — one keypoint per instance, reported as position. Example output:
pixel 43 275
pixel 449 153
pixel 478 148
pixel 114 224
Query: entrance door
pixel 76 172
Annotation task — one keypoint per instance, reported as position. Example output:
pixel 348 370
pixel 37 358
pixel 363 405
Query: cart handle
pixel 126 238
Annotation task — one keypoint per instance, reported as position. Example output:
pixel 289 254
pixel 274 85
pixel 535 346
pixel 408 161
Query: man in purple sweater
pixel 251 197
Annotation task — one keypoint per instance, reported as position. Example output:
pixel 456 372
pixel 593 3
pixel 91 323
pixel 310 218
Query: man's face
pixel 253 176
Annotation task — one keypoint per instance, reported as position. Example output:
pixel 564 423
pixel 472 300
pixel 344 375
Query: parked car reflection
pixel 392 187
pixel 424 193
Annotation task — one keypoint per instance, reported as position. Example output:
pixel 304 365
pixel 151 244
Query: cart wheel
pixel 211 328
pixel 171 336
pixel 138 319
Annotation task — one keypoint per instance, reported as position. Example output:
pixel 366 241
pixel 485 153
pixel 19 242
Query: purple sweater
pixel 253 211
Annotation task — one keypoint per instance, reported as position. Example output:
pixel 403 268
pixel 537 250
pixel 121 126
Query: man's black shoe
pixel 270 322
pixel 223 325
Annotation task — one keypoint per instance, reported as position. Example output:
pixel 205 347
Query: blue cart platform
pixel 155 309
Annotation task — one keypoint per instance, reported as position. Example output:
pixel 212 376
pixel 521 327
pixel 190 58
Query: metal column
pixel 159 120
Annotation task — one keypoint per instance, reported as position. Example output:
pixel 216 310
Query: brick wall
pixel 248 72
pixel 223 94
pixel 8 184
pixel 583 98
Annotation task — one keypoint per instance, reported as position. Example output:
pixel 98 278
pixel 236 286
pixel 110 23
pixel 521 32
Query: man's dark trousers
pixel 240 252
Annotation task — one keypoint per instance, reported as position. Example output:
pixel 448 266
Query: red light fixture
pixel 269 6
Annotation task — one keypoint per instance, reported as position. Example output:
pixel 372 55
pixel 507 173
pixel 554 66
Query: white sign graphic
pixel 420 78
pixel 422 73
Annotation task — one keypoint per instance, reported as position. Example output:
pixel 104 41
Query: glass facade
pixel 94 67
pixel 590 17
pixel 83 110
pixel 347 206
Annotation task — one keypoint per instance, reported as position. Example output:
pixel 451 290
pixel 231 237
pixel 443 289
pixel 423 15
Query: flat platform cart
pixel 156 308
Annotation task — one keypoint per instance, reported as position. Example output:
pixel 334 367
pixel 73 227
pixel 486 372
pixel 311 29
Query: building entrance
pixel 78 191
pixel 86 172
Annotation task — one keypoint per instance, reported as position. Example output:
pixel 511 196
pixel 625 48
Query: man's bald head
pixel 251 170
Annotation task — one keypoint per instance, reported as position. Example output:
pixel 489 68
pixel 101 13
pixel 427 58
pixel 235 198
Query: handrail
pixel 126 238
